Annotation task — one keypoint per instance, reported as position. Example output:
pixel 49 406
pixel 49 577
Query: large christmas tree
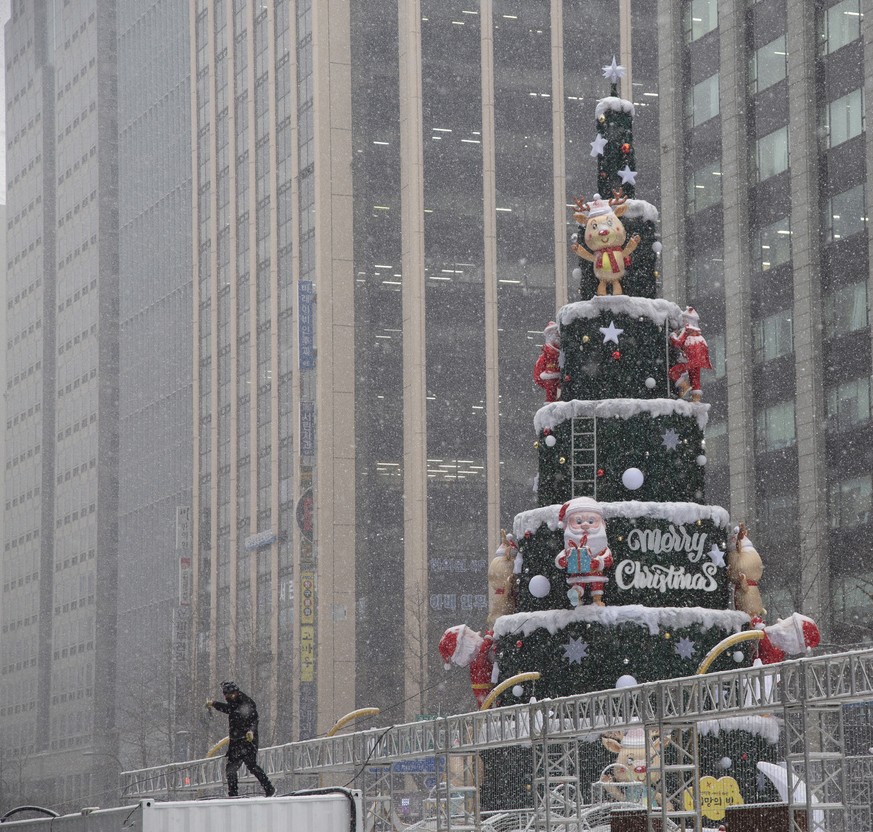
pixel 623 574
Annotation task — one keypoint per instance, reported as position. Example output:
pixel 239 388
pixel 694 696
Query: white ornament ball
pixel 517 691
pixel 539 586
pixel 626 681
pixel 657 247
pixel 701 460
pixel 739 656
pixel 577 273
pixel 573 238
pixel 632 479
pixel 650 383
pixel 725 763
pixel 550 441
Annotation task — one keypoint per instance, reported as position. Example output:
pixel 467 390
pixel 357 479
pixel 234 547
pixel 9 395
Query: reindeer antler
pixel 741 533
pixel 617 198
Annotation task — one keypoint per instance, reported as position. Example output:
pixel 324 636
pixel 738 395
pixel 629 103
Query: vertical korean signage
pixel 307 626
pixel 183 553
pixel 306 324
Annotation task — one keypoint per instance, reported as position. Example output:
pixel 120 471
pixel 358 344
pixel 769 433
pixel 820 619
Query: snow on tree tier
pixel 617 346
pixel 618 449
pixel 592 648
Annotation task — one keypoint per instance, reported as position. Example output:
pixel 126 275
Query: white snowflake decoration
pixel 575 650
pixel 670 439
pixel 685 647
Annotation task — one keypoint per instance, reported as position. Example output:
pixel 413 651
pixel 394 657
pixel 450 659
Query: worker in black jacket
pixel 243 735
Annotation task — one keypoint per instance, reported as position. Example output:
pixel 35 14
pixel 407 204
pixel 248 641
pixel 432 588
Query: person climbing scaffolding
pixel 242 713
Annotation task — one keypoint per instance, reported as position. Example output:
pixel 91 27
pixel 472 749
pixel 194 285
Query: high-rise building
pixel 154 384
pixel 765 231
pixel 58 640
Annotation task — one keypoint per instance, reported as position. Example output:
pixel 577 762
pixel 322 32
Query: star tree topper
pixel 614 72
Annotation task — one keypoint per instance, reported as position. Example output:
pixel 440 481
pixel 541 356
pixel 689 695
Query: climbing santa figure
pixel 693 356
pixel 586 555
pixel 547 370
pixel 464 647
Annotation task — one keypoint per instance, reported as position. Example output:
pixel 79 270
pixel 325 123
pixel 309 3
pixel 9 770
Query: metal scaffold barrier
pixel 820 708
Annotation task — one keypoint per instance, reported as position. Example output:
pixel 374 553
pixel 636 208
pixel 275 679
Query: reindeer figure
pixel 604 238
pixel 744 569
pixel 627 775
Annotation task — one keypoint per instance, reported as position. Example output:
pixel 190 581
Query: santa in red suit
pixel 693 356
pixel 586 555
pixel 547 370
pixel 466 648
pixel 792 636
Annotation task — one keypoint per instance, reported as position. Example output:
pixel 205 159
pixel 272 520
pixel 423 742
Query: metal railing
pixel 806 697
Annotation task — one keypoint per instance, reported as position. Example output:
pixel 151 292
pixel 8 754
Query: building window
pixel 702 101
pixel 716 354
pixel 767 66
pixel 771 154
pixel 844 118
pixel 700 17
pixel 704 187
pixel 849 501
pixel 845 214
pixel 848 404
pixel 774 244
pixel 779 515
pixel 774 336
pixel 705 271
pixel 774 427
pixel 716 444
pixel 840 24
pixel 845 310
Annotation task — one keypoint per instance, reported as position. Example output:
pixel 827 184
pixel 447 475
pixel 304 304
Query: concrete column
pixel 559 160
pixel 489 272
pixel 806 260
pixel 414 390
pixel 733 94
pixel 670 106
pixel 335 515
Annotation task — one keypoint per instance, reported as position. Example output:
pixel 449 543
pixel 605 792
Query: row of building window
pixel 25 414
pixel 21 498
pixel 23 456
pixel 838 25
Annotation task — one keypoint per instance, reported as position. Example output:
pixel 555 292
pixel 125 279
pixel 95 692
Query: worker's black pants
pixel 249 756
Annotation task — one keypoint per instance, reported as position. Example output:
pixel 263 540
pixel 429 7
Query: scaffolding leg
pixel 557 793
pixel 673 777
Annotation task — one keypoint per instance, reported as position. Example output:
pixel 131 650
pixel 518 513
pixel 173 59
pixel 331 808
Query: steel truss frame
pixel 807 692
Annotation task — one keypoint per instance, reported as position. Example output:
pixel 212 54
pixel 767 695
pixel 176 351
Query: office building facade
pixel 764 222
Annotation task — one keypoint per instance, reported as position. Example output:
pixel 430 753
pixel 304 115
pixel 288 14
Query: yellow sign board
pixel 307 653
pixel 715 796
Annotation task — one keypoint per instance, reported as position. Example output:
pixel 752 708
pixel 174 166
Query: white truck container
pixel 336 811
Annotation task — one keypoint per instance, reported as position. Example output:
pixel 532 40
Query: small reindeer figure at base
pixel 605 237
pixel 627 776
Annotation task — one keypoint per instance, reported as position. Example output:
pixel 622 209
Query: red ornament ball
pixel 566 378
pixel 616 355
pixel 600 472
pixel 528 535
pixel 519 644
pixel 546 431
pixel 603 174
pixel 626 148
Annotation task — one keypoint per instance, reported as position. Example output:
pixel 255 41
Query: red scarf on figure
pixel 610 253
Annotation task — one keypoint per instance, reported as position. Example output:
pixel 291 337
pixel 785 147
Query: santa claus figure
pixel 586 555
pixel 792 636
pixel 547 370
pixel 466 648
pixel 693 356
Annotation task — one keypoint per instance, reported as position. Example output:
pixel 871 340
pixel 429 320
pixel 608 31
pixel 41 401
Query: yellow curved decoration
pixel 530 676
pixel 351 717
pixel 726 644
pixel 218 747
